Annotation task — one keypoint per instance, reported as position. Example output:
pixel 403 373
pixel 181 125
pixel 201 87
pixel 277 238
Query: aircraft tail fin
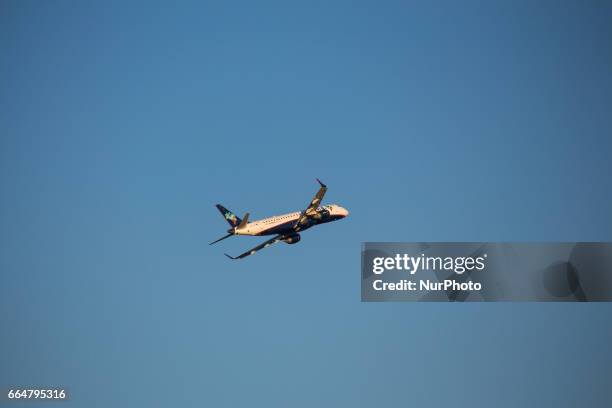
pixel 232 219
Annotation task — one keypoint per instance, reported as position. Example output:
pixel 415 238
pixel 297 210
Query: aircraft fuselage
pixel 284 224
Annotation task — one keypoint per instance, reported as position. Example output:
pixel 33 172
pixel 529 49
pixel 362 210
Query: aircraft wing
pixel 312 207
pixel 258 247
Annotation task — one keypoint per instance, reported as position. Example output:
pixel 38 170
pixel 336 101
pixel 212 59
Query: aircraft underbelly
pixel 284 228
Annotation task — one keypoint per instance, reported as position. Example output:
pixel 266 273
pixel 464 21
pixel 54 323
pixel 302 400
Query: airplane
pixel 285 227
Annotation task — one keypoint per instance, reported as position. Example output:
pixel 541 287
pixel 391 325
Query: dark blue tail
pixel 231 218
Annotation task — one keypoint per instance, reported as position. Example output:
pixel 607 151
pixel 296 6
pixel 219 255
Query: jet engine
pixel 292 239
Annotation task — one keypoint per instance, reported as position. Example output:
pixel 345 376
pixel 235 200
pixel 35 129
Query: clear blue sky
pixel 122 125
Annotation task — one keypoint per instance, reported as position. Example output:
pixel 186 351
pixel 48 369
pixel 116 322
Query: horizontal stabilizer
pixel 244 221
pixel 222 238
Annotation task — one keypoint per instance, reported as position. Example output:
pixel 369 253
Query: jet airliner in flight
pixel 285 227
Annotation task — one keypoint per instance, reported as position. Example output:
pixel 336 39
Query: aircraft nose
pixel 344 212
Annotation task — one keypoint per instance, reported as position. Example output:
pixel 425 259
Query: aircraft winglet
pixel 322 185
